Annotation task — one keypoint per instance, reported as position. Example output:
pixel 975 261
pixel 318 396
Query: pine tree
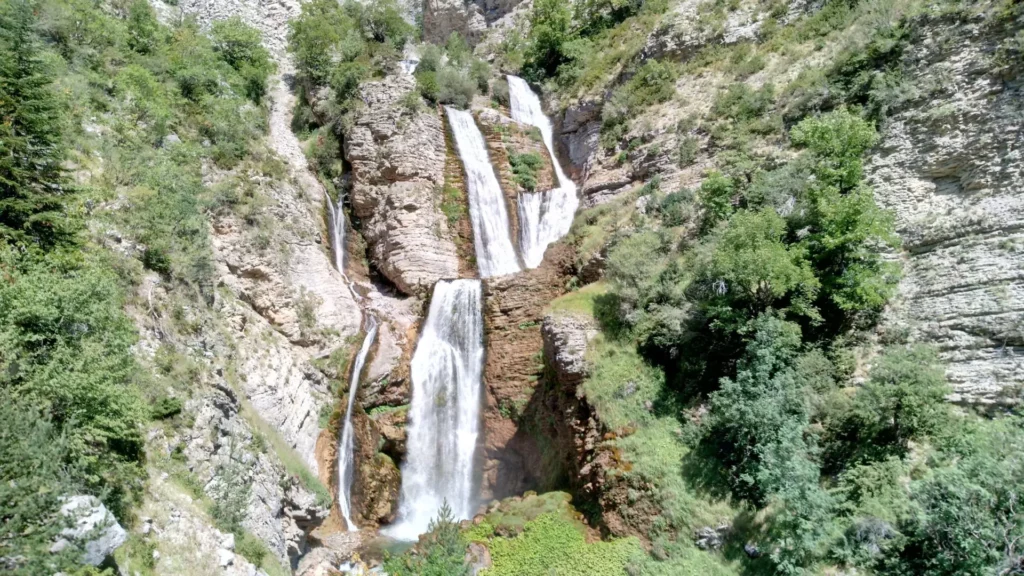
pixel 32 181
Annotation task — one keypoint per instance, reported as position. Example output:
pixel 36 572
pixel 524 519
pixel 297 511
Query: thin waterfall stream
pixel 544 217
pixel 444 416
pixel 346 444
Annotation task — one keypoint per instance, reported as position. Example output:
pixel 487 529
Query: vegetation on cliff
pixel 113 92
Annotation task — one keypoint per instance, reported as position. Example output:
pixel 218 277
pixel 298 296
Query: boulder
pixel 94 529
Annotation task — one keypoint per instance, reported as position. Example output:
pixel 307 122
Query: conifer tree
pixel 32 181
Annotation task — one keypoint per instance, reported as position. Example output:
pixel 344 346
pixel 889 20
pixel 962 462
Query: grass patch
pixel 382 410
pixel 578 302
pixel 453 203
pixel 524 169
pixel 551 544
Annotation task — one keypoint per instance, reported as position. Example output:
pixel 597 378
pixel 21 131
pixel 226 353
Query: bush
pixel 241 47
pixel 499 92
pixel 455 87
pixel 426 83
pixel 441 551
pixel 525 167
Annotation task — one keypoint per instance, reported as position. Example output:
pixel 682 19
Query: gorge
pixel 511 287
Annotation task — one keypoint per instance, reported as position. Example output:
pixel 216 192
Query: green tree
pixel 758 417
pixel 33 186
pixel 715 198
pixel 35 472
pixel 550 30
pixel 747 269
pixel 846 230
pixel 65 346
pixel 904 397
pixel 143 27
pixel 240 45
pixel 442 553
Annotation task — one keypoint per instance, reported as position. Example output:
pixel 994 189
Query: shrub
pixel 525 167
pixel 687 151
pixel 441 551
pixel 740 102
pixel 455 87
pixel 241 47
pixel 480 72
pixel 426 83
pixel 499 92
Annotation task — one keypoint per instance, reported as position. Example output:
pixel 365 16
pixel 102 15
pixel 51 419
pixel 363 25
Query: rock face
pixel 190 546
pixel 951 167
pixel 377 481
pixel 95 529
pixel 397 159
pixel 568 422
pixel 227 459
pixel 470 18
pixel 513 310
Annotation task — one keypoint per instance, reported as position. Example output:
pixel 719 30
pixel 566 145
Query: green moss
pixel 551 544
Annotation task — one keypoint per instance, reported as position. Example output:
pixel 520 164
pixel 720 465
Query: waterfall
pixel 444 417
pixel 346 445
pixel 495 254
pixel 544 217
pixel 337 223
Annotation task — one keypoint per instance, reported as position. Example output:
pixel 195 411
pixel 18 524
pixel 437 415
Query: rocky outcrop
pixel 513 310
pixel 377 481
pixel 950 166
pixel 619 504
pixel 93 529
pixel 470 18
pixel 505 137
pixel 398 157
pixel 228 460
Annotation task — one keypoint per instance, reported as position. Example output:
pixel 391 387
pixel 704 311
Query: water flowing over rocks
pixel 397 159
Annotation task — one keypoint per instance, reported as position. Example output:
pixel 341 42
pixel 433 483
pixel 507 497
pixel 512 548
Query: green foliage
pixel 550 30
pixel 551 544
pixel 37 468
pixel 905 395
pixel 241 47
pixel 455 87
pixel 653 83
pixel 758 418
pixel 65 346
pixel 715 198
pixel 454 81
pixel 33 186
pixel 453 204
pixel 750 270
pixel 967 517
pixel 441 554
pixel 499 92
pixel 525 167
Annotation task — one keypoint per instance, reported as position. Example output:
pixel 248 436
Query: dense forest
pixel 746 313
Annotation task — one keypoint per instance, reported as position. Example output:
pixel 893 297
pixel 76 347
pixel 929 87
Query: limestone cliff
pixel 397 156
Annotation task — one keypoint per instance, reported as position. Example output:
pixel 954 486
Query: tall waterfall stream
pixel 444 417
pixel 346 446
pixel 495 254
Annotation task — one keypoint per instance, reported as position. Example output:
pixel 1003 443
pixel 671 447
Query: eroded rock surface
pixel 397 157
pixel 951 167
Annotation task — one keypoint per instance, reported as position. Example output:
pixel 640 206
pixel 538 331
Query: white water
pixel 544 217
pixel 495 253
pixel 337 223
pixel 444 417
pixel 346 446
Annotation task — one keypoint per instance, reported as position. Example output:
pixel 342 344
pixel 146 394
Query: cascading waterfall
pixel 495 253
pixel 444 416
pixel 346 445
pixel 544 217
pixel 337 214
